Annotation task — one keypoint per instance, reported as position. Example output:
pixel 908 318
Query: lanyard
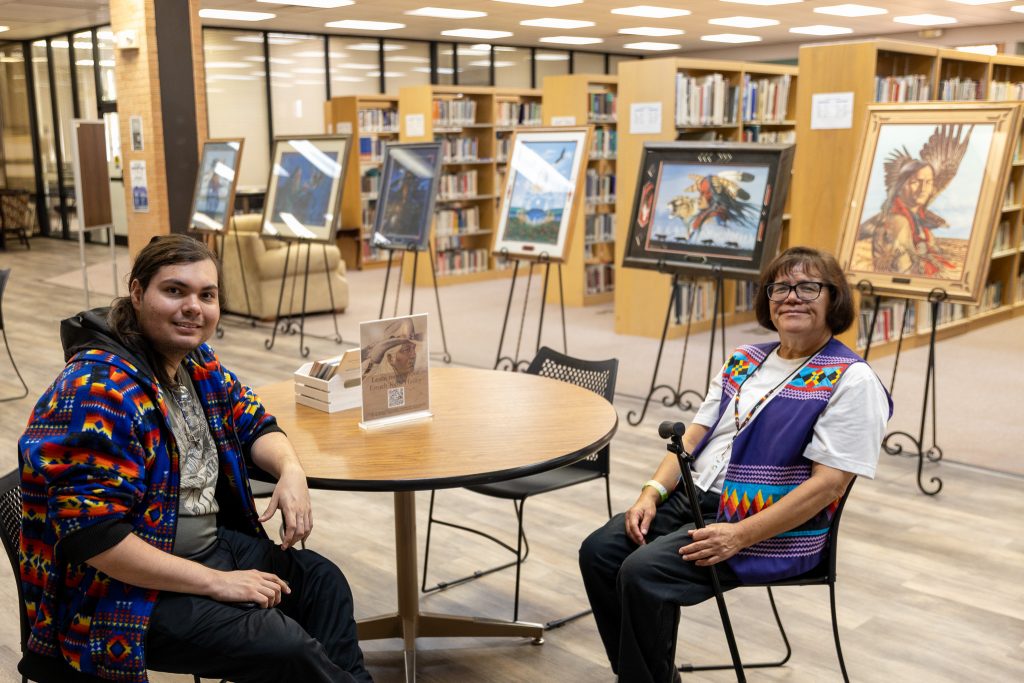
pixel 761 401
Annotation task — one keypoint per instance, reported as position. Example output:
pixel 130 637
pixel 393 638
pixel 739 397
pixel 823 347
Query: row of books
pixel 602 107
pixel 956 89
pixel 604 144
pixel 600 278
pixel 991 298
pixel 503 148
pixel 699 296
pixel 765 99
pixel 1004 236
pixel 1005 90
pixel 908 88
pixel 519 114
pixel 460 148
pixel 369 182
pixel 462 184
pixel 457 221
pixel 461 261
pixel 378 120
pixel 372 253
pixel 887 324
pixel 706 100
pixel 754 133
pixel 371 149
pixel 745 292
pixel 600 187
pixel 454 113
pixel 1010 198
pixel 599 227
pixel 448 243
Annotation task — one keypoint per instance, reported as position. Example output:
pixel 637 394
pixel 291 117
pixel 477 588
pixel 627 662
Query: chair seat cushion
pixel 543 482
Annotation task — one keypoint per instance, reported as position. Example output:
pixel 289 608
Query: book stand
pixel 685 399
pixel 515 363
pixel 446 356
pixel 287 324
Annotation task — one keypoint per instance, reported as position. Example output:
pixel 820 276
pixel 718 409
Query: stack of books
pixel 331 384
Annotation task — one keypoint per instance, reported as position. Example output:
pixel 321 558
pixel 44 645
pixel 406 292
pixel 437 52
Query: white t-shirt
pixel 847 435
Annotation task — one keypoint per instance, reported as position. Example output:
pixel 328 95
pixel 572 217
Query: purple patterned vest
pixel 767 459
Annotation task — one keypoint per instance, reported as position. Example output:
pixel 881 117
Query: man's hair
pixel 163 250
pixel 840 310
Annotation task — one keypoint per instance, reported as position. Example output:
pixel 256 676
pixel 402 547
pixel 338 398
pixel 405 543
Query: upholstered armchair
pixel 263 261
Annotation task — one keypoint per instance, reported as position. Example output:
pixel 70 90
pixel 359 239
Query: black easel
pixel 514 363
pixel 934 453
pixel 287 324
pixel 446 357
pixel 674 432
pixel 220 236
pixel 677 394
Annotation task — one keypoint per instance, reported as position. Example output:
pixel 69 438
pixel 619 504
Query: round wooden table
pixel 487 426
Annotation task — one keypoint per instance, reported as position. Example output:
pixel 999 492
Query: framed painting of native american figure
pixel 927 196
pixel 702 207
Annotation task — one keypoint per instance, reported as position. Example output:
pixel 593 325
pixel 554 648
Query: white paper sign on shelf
pixel 831 110
pixel 644 118
pixel 343 128
pixel 563 120
pixel 415 125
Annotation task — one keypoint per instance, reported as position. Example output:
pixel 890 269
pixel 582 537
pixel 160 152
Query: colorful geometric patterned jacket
pixel 767 460
pixel 98 461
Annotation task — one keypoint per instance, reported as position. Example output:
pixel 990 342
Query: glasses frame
pixel 792 288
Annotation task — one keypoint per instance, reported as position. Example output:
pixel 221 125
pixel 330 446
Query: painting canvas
pixel 405 207
pixel 701 207
pixel 926 199
pixel 214 196
pixel 304 190
pixel 543 185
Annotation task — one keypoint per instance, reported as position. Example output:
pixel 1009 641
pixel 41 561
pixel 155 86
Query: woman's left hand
pixel 713 544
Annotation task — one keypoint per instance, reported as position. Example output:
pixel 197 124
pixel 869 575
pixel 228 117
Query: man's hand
pixel 713 544
pixel 291 496
pixel 249 585
pixel 640 516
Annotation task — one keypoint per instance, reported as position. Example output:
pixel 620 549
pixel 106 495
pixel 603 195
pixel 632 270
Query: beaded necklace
pixel 761 401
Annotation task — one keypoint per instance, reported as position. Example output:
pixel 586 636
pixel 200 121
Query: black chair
pixel 5 275
pixel 32 667
pixel 17 216
pixel 822 575
pixel 597 376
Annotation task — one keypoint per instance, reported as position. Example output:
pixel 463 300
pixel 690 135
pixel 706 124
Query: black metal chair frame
pixel 32 667
pixel 5 275
pixel 547 363
pixel 822 575
pixel 20 230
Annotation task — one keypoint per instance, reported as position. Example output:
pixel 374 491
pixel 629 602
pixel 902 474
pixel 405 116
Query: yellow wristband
pixel 656 485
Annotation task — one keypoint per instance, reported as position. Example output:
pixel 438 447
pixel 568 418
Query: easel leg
pixel 631 417
pixel 303 349
pixel 447 357
pixel 269 343
pixel 241 269
pixel 543 305
pixel 387 277
pixel 561 305
pixel 412 289
pixel 698 397
pixel 220 262
pixel 330 295
pixel 504 322
pixel 522 320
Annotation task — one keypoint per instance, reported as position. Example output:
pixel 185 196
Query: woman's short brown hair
pixel 840 311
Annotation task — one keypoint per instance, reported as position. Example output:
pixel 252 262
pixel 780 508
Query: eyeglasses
pixel 805 291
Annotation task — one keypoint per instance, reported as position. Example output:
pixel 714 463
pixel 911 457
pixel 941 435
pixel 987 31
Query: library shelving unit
pixel 372 121
pixel 757 103
pixel 475 124
pixel 579 99
pixel 877 71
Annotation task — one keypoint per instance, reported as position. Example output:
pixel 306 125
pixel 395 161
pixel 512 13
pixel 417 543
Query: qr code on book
pixel 396 397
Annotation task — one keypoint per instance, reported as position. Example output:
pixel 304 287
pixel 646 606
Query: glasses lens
pixel 778 291
pixel 808 291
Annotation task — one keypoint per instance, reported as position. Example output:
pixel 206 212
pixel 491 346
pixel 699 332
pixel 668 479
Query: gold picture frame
pixel 927 196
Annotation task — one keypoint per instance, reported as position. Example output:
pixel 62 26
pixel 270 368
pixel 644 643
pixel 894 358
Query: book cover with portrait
pixel 394 366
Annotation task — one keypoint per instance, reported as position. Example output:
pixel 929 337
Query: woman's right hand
pixel 640 516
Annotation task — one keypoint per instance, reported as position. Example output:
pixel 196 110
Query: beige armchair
pixel 263 261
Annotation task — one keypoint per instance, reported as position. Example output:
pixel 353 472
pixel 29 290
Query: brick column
pixel 162 81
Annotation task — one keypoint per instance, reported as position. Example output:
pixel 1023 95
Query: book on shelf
pixel 454 113
pixel 907 88
pixel 1005 90
pixel 1003 233
pixel 454 149
pixel 601 107
pixel 600 187
pixel 710 100
pixel 456 221
pixel 755 133
pixel 462 184
pixel 369 181
pixel 696 296
pixel 511 114
pixel 960 89
pixel 599 227
pixel 746 290
pixel 604 144
pixel 600 278
pixel 887 324
pixel 1010 198
pixel 371 149
pixel 461 261
pixel 765 99
pixel 378 120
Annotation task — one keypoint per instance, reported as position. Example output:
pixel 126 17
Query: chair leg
pixel 520 537
pixel 835 631
pixel 16 371
pixel 755 665
pixel 608 493
pixel 426 550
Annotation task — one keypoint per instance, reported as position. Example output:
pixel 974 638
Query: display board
pixel 304 189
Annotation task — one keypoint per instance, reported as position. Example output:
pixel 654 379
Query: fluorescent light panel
pixel 445 13
pixel 821 30
pixel 317 4
pixel 478 33
pixel 730 38
pixel 652 46
pixel 978 2
pixel 924 20
pixel 360 25
pixel 235 15
pixel 851 10
pixel 571 40
pixel 550 22
pixel 4 28
pixel 743 22
pixel 652 31
pixel 651 12
pixel 991 49
pixel 764 3
pixel 543 3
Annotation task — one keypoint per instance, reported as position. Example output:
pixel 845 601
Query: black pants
pixel 636 591
pixel 309 636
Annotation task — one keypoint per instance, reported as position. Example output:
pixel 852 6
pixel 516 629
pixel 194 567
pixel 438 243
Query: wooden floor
pixel 930 589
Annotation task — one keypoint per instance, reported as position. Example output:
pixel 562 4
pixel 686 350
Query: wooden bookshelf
pixel 574 100
pixel 875 70
pixel 641 297
pixel 475 123
pixel 372 120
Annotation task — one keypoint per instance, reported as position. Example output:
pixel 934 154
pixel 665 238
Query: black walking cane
pixel 674 432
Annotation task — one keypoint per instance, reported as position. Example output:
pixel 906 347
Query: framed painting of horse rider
pixel 929 191
pixel 705 206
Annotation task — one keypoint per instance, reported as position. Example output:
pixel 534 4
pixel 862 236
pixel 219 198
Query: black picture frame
pixel 701 207
pixel 408 192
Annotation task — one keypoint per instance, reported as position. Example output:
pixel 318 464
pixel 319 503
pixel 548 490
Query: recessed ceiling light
pixel 764 3
pixel 651 12
pixel 235 15
pixel 652 31
pixel 730 38
pixel 227 65
pixel 1017 8
pixel 374 47
pixel 821 30
pixel 543 3
pixel 978 2
pixel 4 28
pixel 272 39
pixel 407 58
pixel 571 40
pixel 851 10
pixel 990 49
pixel 551 57
pixel 354 65
pixel 444 13
pixel 924 20
pixel 549 22
pixel 318 4
pixel 652 46
pixel 743 22
pixel 347 79
pixel 360 25
pixel 478 33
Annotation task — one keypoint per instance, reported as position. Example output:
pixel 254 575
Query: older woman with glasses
pixel 783 430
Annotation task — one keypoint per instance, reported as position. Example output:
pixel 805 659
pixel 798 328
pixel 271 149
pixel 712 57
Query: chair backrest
pixel 596 375
pixel 10 534
pixel 5 275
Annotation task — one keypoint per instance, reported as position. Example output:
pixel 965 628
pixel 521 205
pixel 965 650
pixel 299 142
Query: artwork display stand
pixel 287 324
pixel 219 237
pixel 685 399
pixel 514 363
pixel 446 356
pixel 929 406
